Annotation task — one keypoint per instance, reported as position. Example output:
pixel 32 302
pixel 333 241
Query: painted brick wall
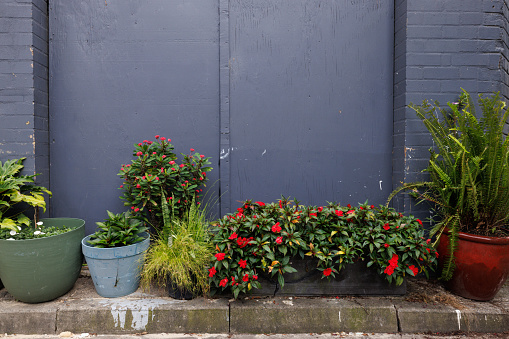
pixel 24 84
pixel 441 46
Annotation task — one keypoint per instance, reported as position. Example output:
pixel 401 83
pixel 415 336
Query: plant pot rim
pixel 481 238
pixel 84 243
pixel 76 229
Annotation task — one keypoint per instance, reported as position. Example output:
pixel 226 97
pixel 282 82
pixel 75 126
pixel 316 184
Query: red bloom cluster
pixel 327 271
pixel 414 269
pixel 386 227
pixel 219 256
pixel 393 263
pixel 279 240
pixel 243 242
pixel 212 271
pixel 276 228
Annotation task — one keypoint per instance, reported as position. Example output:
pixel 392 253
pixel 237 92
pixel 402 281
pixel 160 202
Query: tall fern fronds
pixel 468 168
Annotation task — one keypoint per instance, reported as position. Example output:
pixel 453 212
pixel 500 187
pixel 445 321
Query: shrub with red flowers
pixel 263 238
pixel 156 172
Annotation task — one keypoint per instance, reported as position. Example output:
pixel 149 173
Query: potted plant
pixel 469 188
pixel 156 171
pixel 178 257
pixel 114 254
pixel 41 260
pixel 266 239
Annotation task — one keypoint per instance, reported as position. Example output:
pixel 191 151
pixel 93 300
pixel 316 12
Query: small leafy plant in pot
pixel 469 188
pixel 39 260
pixel 178 257
pixel 114 254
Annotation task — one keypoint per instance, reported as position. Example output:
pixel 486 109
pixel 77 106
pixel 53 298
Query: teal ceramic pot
pixel 39 270
pixel 115 271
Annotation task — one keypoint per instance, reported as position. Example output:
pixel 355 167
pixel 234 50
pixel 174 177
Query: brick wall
pixel 441 46
pixel 24 84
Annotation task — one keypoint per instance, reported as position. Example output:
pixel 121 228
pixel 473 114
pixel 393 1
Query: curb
pixel 82 310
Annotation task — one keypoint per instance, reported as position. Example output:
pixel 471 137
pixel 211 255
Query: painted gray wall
pixel 311 100
pixel 309 103
pixel 24 85
pixel 122 72
pixel 441 46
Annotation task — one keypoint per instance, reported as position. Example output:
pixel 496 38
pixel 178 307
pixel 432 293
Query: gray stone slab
pixel 130 315
pixel 305 315
pixel 16 317
pixel 422 317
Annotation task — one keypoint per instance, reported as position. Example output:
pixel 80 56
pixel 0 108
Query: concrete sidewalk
pixel 426 308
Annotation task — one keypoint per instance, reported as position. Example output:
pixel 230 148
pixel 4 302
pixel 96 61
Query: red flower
pixel 192 150
pixel 339 213
pixel 255 277
pixel 139 153
pixel 240 210
pixel 219 256
pixel 245 278
pixel 420 222
pixel 233 236
pixel 136 209
pixel 261 204
pixel 276 228
pixel 389 270
pixel 320 209
pixel 212 271
pixel 372 206
pixel 202 156
pixel 312 214
pixel 280 204
pixel 394 260
pixel 223 282
pixel 181 165
pixel 386 245
pixel 414 269
pixel 428 241
pixel 172 162
pixel 163 138
pixel 436 253
pixel 138 186
pixel 279 240
pixel 243 242
pixel 349 206
pixel 350 212
pixel 157 136
pixel 242 263
pixel 386 227
pixel 327 271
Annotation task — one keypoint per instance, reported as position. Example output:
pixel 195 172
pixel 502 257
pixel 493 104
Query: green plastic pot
pixel 39 270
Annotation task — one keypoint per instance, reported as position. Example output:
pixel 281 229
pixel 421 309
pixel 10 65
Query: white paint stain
pixel 339 312
pixel 458 314
pixel 141 311
pixel 288 302
pixel 380 183
pixel 264 151
pixel 224 154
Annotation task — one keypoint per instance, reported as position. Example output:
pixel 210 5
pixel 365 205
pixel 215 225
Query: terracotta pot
pixel 482 265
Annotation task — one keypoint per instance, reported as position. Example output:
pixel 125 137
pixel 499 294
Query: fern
pixel 468 168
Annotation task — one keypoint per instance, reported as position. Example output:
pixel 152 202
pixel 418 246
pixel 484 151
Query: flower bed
pixel 266 238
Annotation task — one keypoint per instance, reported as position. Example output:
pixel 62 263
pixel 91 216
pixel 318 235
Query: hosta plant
pixel 17 195
pixel 263 238
pixel 155 172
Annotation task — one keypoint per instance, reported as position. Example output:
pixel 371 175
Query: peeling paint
pixel 458 314
pixel 380 182
pixel 140 309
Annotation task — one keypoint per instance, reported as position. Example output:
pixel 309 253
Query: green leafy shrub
pixel 17 195
pixel 263 238
pixel 155 171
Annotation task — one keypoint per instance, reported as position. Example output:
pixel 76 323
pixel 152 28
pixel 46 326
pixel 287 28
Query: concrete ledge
pixel 17 317
pixel 153 315
pixel 285 315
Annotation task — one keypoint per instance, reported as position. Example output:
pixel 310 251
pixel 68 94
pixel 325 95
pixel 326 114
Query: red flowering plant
pixel 156 172
pixel 263 238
